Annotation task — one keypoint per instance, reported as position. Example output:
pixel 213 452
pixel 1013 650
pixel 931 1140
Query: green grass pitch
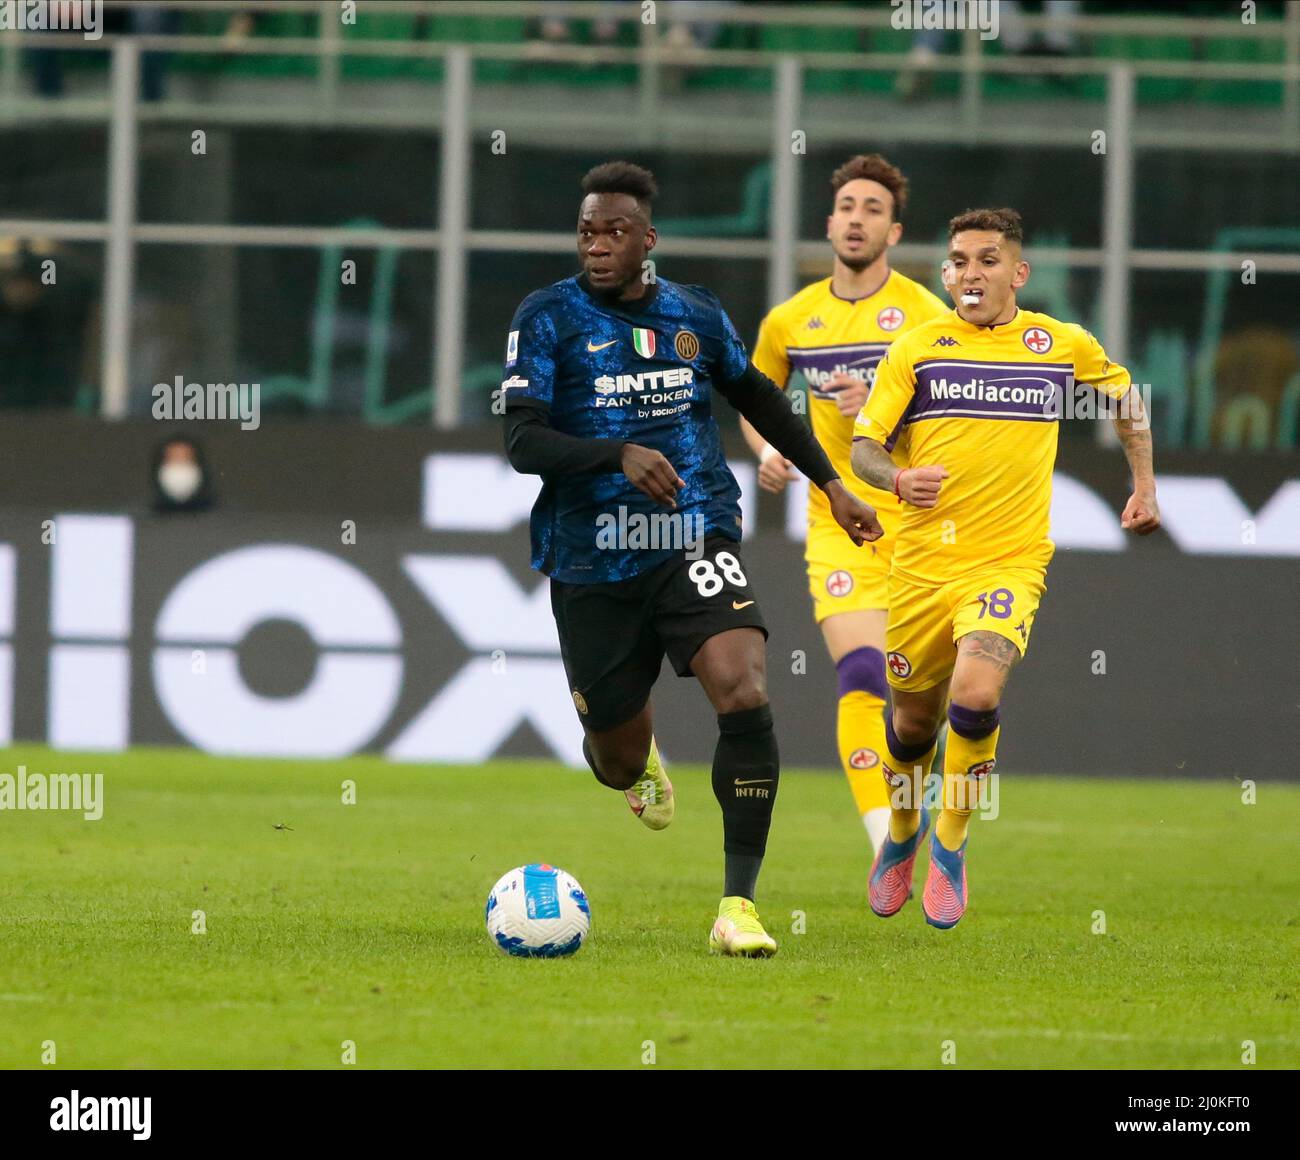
pixel 364 923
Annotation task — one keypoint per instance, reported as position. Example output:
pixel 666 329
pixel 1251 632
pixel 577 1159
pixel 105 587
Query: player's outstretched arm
pixel 1141 514
pixel 918 486
pixel 858 519
pixel 534 447
pixel 768 408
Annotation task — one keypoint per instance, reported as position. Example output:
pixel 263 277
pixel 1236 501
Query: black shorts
pixel 613 637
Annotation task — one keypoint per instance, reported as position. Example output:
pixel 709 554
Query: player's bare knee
pixel 746 692
pixel 620 771
pixel 617 762
pixel 977 694
pixel 913 724
pixel 984 663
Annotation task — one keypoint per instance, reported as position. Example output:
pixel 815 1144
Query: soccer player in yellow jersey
pixel 968 403
pixel 832 334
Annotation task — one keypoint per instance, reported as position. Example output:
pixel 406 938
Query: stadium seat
pixel 1245 421
pixel 782 38
pixel 1218 283
pixel 1288 420
pixel 1164 370
pixel 749 222
pixel 1242 51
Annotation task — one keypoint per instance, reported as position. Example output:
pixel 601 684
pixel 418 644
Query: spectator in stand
pixel 43 310
pixel 1057 40
pixel 180 478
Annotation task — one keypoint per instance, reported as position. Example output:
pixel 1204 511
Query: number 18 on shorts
pixel 925 623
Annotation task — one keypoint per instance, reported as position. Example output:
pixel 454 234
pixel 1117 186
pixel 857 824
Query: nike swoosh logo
pixel 593 349
pixel 754 781
pixel 739 604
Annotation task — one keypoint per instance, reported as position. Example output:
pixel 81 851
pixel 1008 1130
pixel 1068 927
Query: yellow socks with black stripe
pixel 972 744
pixel 860 733
pixel 906 769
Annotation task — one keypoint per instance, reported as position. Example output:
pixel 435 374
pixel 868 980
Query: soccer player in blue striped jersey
pixel 609 384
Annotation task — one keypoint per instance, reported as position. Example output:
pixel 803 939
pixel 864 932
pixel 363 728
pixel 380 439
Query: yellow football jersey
pixel 984 404
pixel 817 334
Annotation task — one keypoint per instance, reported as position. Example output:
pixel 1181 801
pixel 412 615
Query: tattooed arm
pixel 1141 514
pixel 918 486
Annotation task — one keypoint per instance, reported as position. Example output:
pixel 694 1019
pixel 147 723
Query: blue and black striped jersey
pixel 642 372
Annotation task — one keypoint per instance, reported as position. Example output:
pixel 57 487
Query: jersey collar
pixel 974 328
pixel 830 289
pixel 636 306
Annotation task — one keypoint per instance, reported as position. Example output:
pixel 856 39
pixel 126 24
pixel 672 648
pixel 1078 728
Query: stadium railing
pixel 331 98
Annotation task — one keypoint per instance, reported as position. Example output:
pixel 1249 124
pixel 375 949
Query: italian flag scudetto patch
pixel 643 341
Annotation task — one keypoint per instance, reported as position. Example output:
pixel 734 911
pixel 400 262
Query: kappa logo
pixel 814 323
pixel 944 340
pixel 864 759
pixel 899 665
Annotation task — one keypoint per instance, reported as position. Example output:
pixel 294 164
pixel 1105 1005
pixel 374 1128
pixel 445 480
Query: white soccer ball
pixel 538 911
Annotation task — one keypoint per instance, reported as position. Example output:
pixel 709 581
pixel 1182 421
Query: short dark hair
pixel 622 177
pixel 1003 221
pixel 873 167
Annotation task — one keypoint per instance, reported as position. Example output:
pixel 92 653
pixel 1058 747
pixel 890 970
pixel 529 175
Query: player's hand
pixel 1141 513
pixel 775 471
pixel 850 393
pixel 854 516
pixel 649 472
pixel 920 486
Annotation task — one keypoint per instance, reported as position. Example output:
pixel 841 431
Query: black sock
pixel 746 770
pixel 591 760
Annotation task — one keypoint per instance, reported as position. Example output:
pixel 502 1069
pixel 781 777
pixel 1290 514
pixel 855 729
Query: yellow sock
pixel 960 790
pixel 907 785
pixel 860 732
